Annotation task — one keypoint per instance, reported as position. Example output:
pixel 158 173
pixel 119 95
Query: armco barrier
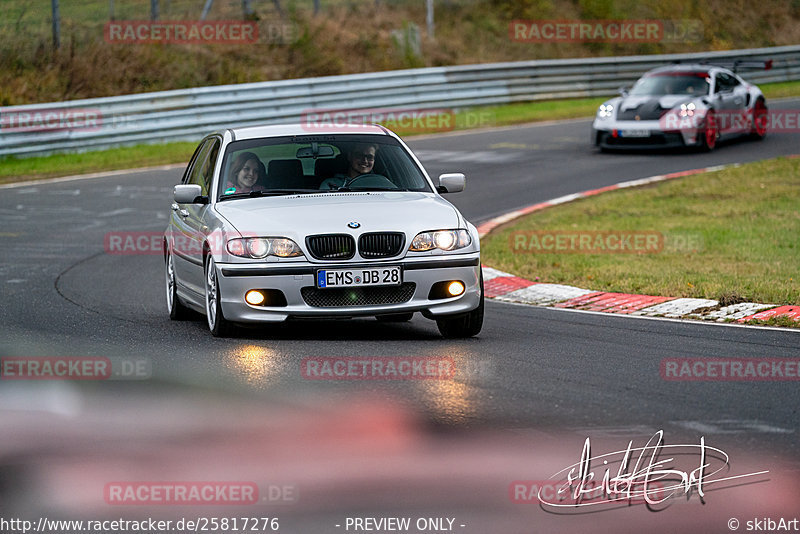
pixel 188 114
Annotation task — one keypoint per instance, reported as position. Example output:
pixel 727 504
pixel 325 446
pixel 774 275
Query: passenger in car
pixel 360 160
pixel 247 174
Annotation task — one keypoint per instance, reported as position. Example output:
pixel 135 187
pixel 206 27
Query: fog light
pixel 254 297
pixel 455 288
pixel 447 289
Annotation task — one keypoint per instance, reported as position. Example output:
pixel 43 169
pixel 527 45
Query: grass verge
pixel 14 169
pixel 728 235
pixel 21 169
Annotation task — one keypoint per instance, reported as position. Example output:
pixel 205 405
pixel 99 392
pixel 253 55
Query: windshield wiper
pixel 344 189
pixel 267 193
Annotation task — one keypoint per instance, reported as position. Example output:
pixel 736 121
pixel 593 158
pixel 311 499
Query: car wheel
pixel 395 317
pixel 760 120
pixel 708 139
pixel 177 311
pixel 464 325
pixel 219 326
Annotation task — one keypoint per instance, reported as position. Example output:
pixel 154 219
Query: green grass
pixel 18 169
pixel 729 235
pixel 780 90
pixel 21 169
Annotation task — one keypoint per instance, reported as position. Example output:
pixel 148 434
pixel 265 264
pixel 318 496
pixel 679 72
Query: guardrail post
pixel 429 17
pixel 56 25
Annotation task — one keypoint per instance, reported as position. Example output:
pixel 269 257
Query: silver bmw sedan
pixel 277 222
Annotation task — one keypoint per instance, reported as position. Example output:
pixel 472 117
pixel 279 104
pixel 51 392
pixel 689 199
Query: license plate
pixel 379 276
pixel 634 133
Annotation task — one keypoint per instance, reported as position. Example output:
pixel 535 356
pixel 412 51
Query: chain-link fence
pixel 32 23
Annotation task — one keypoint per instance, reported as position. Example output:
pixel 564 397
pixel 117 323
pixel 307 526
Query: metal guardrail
pixel 190 113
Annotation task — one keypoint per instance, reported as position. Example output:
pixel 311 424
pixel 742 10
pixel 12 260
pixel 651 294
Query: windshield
pixel 672 84
pixel 315 164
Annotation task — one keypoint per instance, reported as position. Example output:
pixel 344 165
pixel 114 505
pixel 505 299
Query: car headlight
pixel 605 111
pixel 688 110
pixel 441 239
pixel 261 247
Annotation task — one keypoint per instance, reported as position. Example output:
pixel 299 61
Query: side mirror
pixel 623 91
pixel 188 194
pixel 452 182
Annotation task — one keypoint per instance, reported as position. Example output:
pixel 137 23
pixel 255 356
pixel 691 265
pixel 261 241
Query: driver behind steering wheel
pixel 360 160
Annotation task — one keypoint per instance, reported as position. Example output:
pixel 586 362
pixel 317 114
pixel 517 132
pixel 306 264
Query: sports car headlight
pixel 687 110
pixel 605 111
pixel 441 239
pixel 261 247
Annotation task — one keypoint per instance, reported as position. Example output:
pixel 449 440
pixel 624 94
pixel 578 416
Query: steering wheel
pixel 371 180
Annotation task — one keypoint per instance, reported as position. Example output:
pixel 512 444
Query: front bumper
pixel 295 279
pixel 611 134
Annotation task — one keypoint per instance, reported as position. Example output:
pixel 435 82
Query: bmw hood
pixel 356 212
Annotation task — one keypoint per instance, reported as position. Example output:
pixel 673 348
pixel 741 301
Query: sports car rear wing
pixel 735 64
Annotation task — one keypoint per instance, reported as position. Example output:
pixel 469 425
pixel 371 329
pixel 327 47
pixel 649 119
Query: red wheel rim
pixel 711 130
pixel 760 118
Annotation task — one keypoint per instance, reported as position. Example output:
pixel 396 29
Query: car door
pixel 188 220
pixel 730 102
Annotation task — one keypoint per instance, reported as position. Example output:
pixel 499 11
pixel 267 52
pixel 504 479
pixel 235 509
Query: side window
pixel 199 153
pixel 203 166
pixel 208 166
pixel 725 82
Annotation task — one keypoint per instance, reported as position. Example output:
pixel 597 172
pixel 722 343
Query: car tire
pixel 464 325
pixel 710 133
pixel 217 324
pixel 177 311
pixel 395 317
pixel 760 120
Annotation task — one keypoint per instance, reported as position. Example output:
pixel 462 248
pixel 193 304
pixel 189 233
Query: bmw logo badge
pixel 354 225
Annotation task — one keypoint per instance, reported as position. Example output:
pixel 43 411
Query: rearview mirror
pixel 315 151
pixel 452 182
